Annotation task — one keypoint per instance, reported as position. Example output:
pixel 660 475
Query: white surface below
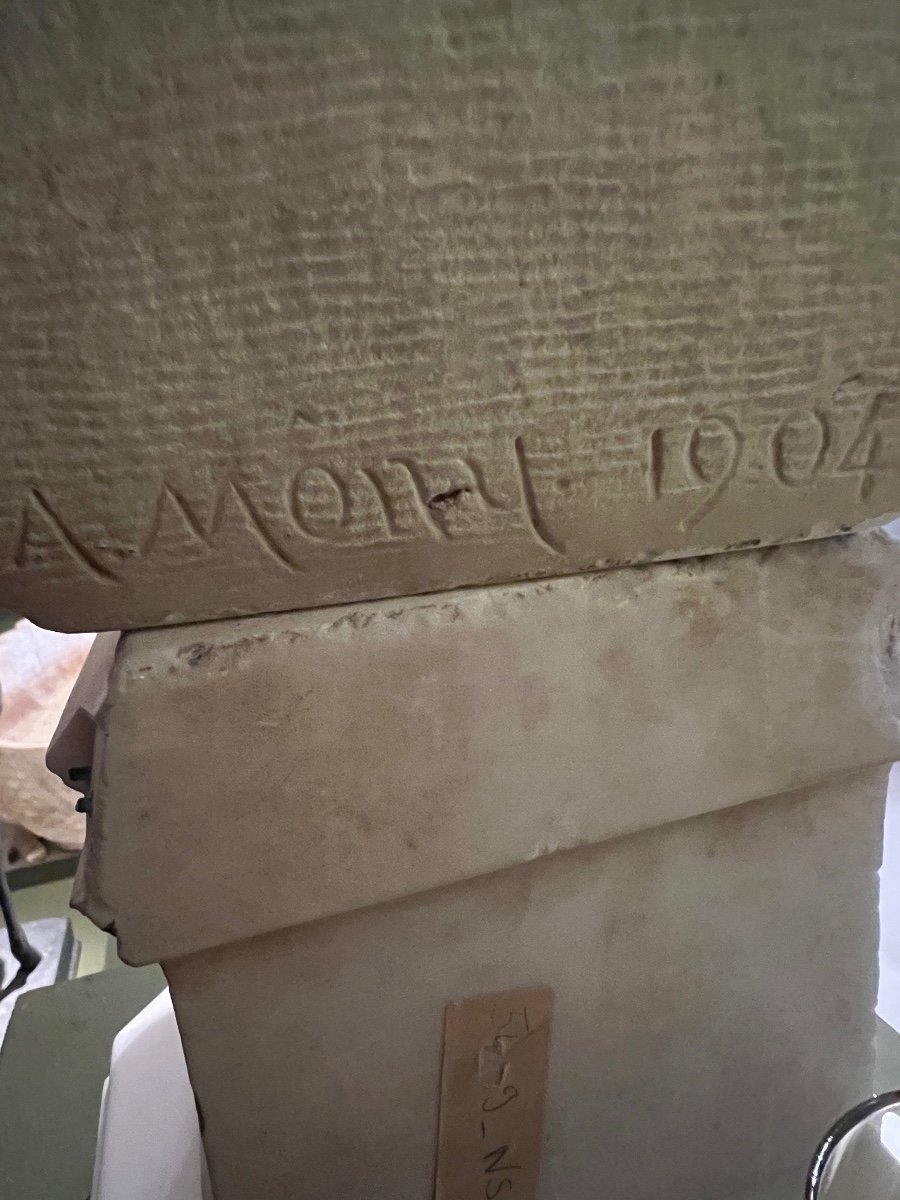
pixel 148 1142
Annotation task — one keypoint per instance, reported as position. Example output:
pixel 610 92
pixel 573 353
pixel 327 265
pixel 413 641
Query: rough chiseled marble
pixel 304 303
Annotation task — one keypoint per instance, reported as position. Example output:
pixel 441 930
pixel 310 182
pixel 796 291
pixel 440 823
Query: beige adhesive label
pixel 493 1082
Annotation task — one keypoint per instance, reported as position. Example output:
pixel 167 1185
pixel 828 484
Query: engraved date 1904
pixel 803 447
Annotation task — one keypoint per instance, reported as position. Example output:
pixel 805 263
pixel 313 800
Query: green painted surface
pixel 52 900
pixel 53 1062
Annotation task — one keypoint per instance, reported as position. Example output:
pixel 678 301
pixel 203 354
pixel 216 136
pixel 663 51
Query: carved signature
pixel 327 505
pixel 232 500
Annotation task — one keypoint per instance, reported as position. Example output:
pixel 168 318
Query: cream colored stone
pixel 351 756
pixel 715 987
pixel 309 303
pixel 402 804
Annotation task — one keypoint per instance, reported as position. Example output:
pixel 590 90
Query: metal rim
pixel 839 1130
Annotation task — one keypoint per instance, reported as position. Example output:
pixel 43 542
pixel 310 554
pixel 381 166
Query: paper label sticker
pixel 493 1083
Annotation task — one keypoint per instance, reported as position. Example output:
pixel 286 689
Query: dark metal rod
pixel 26 955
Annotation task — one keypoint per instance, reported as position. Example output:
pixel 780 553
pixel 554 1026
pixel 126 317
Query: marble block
pixel 657 791
pixel 714 988
pixel 354 755
pixel 304 303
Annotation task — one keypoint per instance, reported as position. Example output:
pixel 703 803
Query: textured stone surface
pixel 715 986
pixel 333 759
pixel 303 303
